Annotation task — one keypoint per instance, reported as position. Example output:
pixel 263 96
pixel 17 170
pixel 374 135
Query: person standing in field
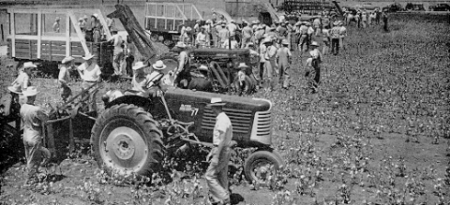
pixel 33 118
pixel 314 62
pixel 317 26
pixel 118 55
pixel 217 173
pixel 64 78
pixel 270 63
pixel 130 50
pixel 335 37
pixel 224 35
pixel 21 83
pixel 90 74
pixel 343 34
pixel 303 37
pixel 284 60
pixel 384 17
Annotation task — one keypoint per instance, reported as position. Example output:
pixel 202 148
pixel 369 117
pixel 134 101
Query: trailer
pixel 49 35
pixel 165 20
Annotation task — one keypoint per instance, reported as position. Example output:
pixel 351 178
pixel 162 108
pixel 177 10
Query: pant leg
pixel 36 156
pixel 215 180
pixel 268 73
pixel 286 78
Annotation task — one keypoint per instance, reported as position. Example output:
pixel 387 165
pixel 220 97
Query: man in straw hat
pixel 335 35
pixel 12 101
pixel 284 60
pixel 270 63
pixel 90 74
pixel 64 77
pixel 217 173
pixel 139 81
pixel 33 118
pixel 155 76
pixel 313 64
pixel 302 37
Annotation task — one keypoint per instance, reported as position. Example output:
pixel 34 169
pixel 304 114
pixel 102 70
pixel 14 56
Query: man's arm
pixel 215 157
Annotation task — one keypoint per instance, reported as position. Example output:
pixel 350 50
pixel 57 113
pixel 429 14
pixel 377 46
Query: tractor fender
pixel 131 100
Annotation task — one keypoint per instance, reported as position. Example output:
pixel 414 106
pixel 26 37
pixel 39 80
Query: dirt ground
pixel 377 132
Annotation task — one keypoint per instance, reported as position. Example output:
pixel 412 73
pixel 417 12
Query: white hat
pixel 67 59
pixel 188 29
pixel 216 102
pixel 180 44
pixel 15 89
pixel 88 56
pixel 203 67
pixel 314 43
pixel 95 15
pixel 285 42
pixel 29 65
pixel 138 65
pixel 30 91
pixel 336 23
pixel 159 65
pixel 267 40
pixel 242 65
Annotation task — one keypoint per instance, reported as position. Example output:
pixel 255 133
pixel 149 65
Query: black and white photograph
pixel 220 102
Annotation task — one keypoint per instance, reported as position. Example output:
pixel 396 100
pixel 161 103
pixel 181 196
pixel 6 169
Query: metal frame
pixel 179 8
pixel 68 39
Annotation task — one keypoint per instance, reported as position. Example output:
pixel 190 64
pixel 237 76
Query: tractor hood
pixel 243 103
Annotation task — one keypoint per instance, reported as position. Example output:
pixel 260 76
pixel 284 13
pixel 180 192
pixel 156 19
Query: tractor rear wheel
pixel 260 165
pixel 126 140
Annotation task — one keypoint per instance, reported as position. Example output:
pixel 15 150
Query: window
pixel 26 24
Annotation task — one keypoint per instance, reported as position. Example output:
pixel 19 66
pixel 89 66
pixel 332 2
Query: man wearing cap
pixel 90 74
pixel 117 42
pixel 223 35
pixel 33 118
pixel 270 63
pixel 314 61
pixel 64 78
pixel 217 173
pixel 284 60
pixel 139 81
pixel 335 35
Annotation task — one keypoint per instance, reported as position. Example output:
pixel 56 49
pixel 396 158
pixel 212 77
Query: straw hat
pixel 267 40
pixel 67 59
pixel 314 43
pixel 285 42
pixel 180 44
pixel 29 65
pixel 242 65
pixel 188 29
pixel 336 23
pixel 203 67
pixel 159 65
pixel 88 57
pixel 15 89
pixel 138 65
pixel 95 16
pixel 216 102
pixel 30 91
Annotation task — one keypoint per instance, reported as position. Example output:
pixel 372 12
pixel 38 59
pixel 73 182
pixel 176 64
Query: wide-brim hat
pixel 180 44
pixel 242 65
pixel 29 65
pixel 139 65
pixel 188 29
pixel 203 67
pixel 87 57
pixel 15 89
pixel 67 59
pixel 159 65
pixel 94 15
pixel 267 40
pixel 285 42
pixel 314 43
pixel 336 23
pixel 30 91
pixel 216 102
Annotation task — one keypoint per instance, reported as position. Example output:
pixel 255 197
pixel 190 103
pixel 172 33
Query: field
pixel 377 132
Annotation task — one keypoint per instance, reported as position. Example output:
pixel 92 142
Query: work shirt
pixel 283 56
pixel 315 54
pixel 310 30
pixel 262 53
pixel 303 29
pixel 232 28
pixel 343 31
pixel 271 52
pixel 32 119
pixel 202 39
pixel 22 81
pixel 224 34
pixel 63 77
pixel 223 124
pixel 247 32
pixel 335 32
pixel 182 59
pixel 316 22
pixel 152 78
pixel 117 42
pixel 90 73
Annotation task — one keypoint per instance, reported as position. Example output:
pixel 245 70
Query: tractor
pixel 136 130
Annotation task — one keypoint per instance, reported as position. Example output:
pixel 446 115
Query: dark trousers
pixel 335 46
pixel 129 64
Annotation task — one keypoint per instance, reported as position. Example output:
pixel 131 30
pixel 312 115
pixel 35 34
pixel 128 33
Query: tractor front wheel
pixel 260 165
pixel 126 140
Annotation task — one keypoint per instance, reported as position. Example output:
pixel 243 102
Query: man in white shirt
pixel 202 39
pixel 90 74
pixel 64 78
pixel 343 34
pixel 117 41
pixel 217 173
